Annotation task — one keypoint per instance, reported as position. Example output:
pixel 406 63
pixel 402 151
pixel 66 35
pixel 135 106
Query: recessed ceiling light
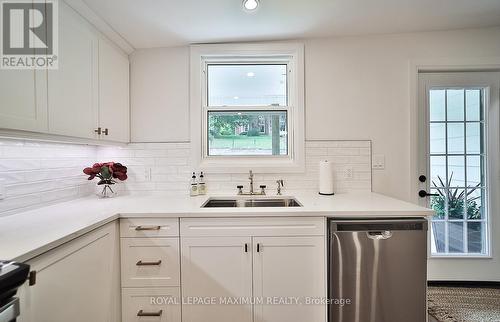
pixel 250 74
pixel 250 5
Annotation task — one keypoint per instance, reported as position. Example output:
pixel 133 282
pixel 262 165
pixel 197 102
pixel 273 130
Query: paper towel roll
pixel 325 178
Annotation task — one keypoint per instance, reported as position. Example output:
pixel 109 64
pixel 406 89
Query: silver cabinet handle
pixel 139 228
pixel 141 263
pixel 142 313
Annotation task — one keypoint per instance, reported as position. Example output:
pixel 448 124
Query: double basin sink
pixel 251 202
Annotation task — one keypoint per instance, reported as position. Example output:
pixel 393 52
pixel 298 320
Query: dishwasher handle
pixel 377 225
pixel 379 235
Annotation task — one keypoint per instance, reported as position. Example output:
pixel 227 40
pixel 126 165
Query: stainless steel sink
pixel 250 202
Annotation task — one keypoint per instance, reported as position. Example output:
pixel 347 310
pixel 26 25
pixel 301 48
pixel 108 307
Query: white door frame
pixel 463 268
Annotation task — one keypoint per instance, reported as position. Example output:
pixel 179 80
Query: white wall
pixel 159 95
pixel 356 88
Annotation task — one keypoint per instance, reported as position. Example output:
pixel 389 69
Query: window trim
pixel 290 53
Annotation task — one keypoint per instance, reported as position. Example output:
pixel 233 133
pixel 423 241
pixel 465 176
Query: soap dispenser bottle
pixel 202 186
pixel 194 186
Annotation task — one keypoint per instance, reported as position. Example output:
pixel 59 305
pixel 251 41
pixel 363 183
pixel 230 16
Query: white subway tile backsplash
pixel 40 173
pixel 171 170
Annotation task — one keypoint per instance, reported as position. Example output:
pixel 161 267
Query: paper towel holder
pixel 326 194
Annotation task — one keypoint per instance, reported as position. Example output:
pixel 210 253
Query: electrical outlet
pixel 2 189
pixel 348 172
pixel 147 174
pixel 378 162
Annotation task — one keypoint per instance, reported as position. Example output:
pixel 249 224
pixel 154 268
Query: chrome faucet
pixel 251 191
pixel 250 176
pixel 281 184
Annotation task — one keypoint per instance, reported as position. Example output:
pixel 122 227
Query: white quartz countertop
pixel 26 235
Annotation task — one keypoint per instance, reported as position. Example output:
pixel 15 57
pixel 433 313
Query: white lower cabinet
pixel 216 267
pixel 289 269
pixel 77 282
pixel 260 267
pixel 150 270
pixel 151 304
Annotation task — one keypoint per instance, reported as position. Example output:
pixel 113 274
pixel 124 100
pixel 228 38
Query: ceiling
pixel 163 23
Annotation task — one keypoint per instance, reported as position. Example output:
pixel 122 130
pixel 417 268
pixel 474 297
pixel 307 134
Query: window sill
pixel 242 165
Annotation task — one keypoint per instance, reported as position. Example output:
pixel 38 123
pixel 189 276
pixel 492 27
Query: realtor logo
pixel 29 34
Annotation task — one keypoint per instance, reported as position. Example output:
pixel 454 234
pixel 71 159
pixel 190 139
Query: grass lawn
pixel 244 142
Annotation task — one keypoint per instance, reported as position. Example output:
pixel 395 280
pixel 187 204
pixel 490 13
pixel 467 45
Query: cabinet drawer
pixel 150 262
pixel 276 226
pixel 149 227
pixel 151 304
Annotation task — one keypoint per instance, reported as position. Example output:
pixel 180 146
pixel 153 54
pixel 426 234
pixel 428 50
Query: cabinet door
pixel 77 282
pixel 72 93
pixel 114 111
pixel 289 268
pixel 23 105
pixel 216 267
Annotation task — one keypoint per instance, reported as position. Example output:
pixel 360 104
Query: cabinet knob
pixel 105 131
pixel 98 131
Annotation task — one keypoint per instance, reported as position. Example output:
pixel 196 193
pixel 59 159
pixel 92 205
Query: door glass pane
pixel 438 171
pixel 247 133
pixel 456 237
pixel 437 105
pixel 473 101
pixel 456 138
pixel 475 202
pixel 455 104
pixel 474 170
pixel 439 236
pixel 438 138
pixel 475 233
pixel 473 138
pixel 247 85
pixel 456 171
pixel 456 203
pixel 438 203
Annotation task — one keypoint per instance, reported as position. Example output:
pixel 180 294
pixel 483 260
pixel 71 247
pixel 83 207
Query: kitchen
pixel 169 157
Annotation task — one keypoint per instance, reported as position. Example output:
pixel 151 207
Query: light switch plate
pixel 378 162
pixel 2 189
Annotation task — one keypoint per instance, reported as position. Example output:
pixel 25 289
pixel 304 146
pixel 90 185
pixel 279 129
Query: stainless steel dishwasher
pixel 377 270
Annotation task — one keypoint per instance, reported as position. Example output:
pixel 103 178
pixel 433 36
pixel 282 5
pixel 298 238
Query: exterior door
pixel 216 268
pixel 283 270
pixel 459 173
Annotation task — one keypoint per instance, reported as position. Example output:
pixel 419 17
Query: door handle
pixel 423 194
pixel 142 313
pixel 139 228
pixel 376 235
pixel 141 263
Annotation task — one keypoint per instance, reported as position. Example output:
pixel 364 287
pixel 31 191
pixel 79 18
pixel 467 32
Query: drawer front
pixel 150 262
pixel 149 227
pixel 151 304
pixel 276 226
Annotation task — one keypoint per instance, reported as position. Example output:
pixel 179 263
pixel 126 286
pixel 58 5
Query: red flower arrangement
pixel 107 172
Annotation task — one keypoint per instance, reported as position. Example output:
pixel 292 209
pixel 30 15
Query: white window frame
pixel 291 54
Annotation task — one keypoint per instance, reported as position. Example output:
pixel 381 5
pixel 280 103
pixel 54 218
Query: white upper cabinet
pixel 87 97
pixel 113 93
pixel 73 100
pixel 23 106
